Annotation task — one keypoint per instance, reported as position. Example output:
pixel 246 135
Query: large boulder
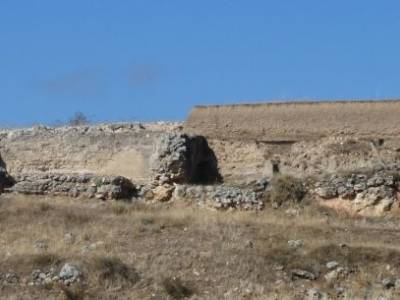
pixel 181 158
pixel 163 193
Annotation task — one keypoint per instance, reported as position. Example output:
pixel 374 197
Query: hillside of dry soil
pixel 295 121
pixel 120 250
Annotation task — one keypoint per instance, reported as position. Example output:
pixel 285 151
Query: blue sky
pixel 155 59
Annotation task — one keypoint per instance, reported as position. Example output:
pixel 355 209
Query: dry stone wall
pixel 361 193
pixel 74 185
pixel 223 196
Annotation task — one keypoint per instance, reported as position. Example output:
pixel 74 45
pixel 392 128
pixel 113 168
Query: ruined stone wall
pixel 295 121
pixel 113 149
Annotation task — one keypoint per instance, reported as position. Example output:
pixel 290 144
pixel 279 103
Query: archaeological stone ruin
pixel 222 157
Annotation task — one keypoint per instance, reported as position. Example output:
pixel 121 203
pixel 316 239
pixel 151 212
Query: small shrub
pixel 147 220
pixel 149 225
pixel 86 237
pixel 73 293
pixel 112 270
pixel 286 189
pixel 176 288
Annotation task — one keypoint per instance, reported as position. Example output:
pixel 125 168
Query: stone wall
pixel 360 193
pixel 89 161
pixel 168 164
pixel 113 149
pixel 294 121
pixel 223 196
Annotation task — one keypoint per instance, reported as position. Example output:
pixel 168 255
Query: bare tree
pixel 78 119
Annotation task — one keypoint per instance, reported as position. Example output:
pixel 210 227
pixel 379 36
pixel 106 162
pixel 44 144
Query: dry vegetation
pixel 137 251
pixel 350 146
pixel 286 189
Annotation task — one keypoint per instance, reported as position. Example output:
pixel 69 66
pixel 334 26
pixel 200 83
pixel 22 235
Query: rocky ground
pixel 81 248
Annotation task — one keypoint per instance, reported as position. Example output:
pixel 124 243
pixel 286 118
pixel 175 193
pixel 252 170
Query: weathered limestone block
pixel 162 193
pixel 180 158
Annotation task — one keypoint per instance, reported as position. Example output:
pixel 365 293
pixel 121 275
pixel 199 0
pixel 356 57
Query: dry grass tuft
pixel 120 209
pixel 44 260
pixel 73 293
pixel 112 271
pixel 176 288
pixel 350 146
pixel 44 207
pixel 74 217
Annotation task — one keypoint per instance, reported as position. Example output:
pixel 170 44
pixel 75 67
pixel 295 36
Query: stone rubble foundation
pixel 74 185
pixel 361 193
pixel 221 196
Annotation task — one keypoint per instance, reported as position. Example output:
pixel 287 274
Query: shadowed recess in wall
pixel 2 163
pixel 181 158
pixel 203 162
pixel 5 179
